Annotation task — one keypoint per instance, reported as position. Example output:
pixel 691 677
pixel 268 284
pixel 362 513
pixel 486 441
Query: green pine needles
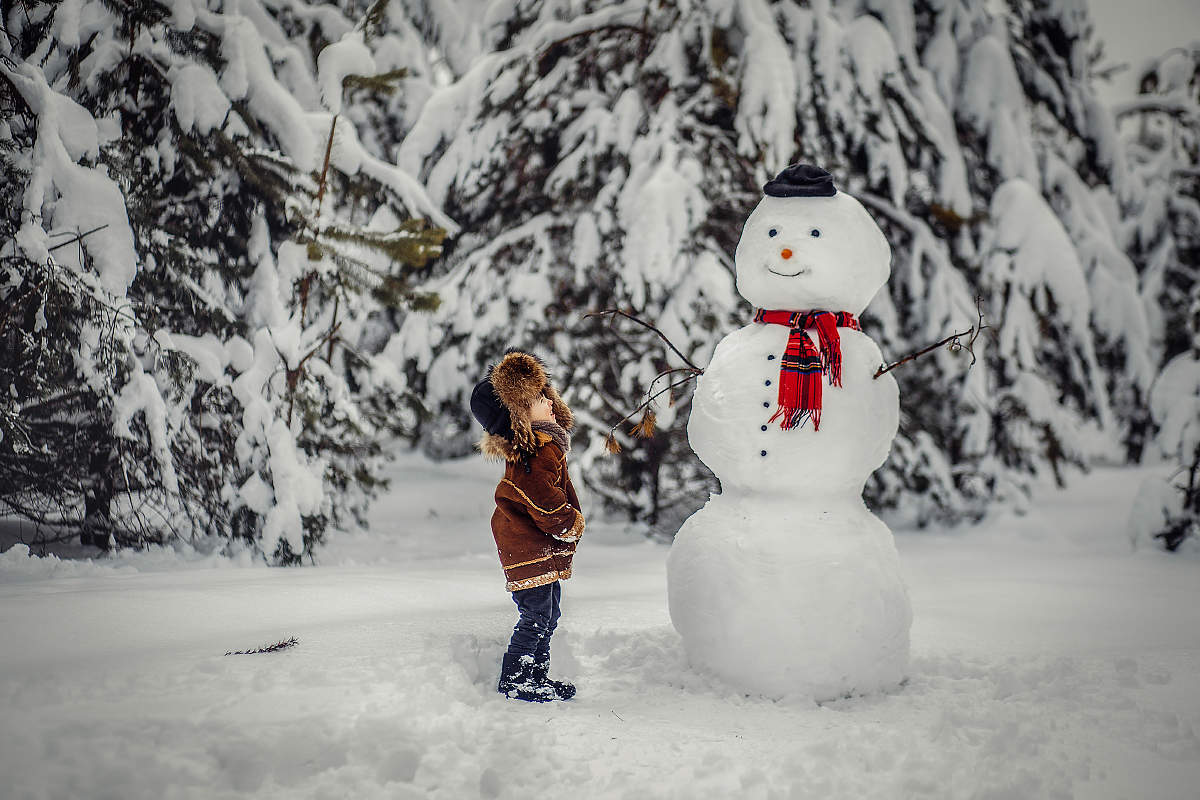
pixel 232 389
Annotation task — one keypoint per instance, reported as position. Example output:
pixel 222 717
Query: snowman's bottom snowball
pixel 780 600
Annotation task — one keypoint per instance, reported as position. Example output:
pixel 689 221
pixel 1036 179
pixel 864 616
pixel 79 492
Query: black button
pixel 770 358
pixel 764 427
pixel 766 405
pixel 764 452
pixel 768 383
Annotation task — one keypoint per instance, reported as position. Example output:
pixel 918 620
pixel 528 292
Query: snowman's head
pixel 809 246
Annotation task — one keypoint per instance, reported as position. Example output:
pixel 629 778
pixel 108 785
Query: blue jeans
pixel 539 617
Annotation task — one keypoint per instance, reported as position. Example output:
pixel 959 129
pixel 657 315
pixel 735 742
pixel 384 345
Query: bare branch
pixel 645 428
pixel 325 166
pixel 78 238
pixel 327 338
pixel 645 405
pixel 953 341
pixel 644 324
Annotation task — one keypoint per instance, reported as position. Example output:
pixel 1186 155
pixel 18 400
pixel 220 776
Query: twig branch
pixel 327 338
pixel 667 372
pixel 644 324
pixel 78 238
pixel 690 377
pixel 293 375
pixel 325 166
pixel 954 341
pixel 272 648
pixel 645 428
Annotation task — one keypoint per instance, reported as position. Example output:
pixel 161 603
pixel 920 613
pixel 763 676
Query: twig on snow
pixel 272 648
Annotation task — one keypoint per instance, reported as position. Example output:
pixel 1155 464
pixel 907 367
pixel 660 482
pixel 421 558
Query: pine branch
pixel 384 83
pixel 423 301
pixel 552 52
pixel 953 342
pixel 13 300
pixel 372 21
pixel 271 648
pixel 412 245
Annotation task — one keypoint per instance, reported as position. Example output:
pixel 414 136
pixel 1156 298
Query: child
pixel 537 521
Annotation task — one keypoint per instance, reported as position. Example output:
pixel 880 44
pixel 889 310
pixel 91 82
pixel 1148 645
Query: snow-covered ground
pixel 1049 661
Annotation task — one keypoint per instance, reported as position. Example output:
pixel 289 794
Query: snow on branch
pixel 552 52
pixel 1156 105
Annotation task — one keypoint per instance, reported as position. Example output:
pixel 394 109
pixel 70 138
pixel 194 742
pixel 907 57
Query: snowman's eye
pixel 814 233
pixel 772 232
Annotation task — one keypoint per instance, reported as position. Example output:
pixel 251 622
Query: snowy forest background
pixel 248 248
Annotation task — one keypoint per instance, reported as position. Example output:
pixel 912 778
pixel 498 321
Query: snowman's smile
pixel 801 271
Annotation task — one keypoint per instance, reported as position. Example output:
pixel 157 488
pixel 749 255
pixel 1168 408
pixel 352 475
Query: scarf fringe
pixel 796 417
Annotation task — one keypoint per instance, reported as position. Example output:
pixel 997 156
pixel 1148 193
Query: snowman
pixel 784 583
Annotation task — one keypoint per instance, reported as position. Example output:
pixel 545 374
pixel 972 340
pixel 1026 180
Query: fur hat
pixel 501 403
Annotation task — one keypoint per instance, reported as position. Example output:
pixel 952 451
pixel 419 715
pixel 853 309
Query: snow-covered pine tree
pixel 1167 511
pixel 66 260
pixel 1025 231
pixel 1087 183
pixel 54 442
pixel 262 236
pixel 592 157
pixel 1161 128
pixel 605 156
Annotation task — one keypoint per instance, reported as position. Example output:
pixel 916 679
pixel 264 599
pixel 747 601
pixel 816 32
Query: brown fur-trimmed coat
pixel 538 520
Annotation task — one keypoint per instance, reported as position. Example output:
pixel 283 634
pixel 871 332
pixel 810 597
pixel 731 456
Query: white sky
pixel 1134 30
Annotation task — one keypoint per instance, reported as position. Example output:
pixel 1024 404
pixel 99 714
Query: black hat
pixel 492 414
pixel 801 180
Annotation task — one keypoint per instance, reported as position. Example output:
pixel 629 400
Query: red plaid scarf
pixel 802 365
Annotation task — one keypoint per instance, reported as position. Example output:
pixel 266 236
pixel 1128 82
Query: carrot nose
pixel 786 253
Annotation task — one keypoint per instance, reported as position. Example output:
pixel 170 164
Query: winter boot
pixel 563 690
pixel 519 681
